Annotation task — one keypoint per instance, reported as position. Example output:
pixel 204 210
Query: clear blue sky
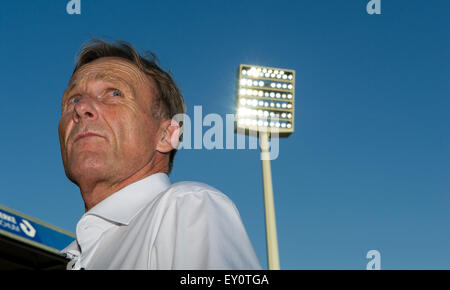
pixel 367 168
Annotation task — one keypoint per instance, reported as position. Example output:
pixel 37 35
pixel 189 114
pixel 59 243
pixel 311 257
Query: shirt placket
pixel 89 232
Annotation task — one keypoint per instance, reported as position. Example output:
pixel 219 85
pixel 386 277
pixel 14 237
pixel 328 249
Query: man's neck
pixel 93 192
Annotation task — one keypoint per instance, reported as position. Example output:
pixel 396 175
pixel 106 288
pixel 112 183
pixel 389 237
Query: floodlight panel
pixel 265 99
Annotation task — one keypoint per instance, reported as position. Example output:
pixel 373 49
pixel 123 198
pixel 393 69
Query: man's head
pixel 116 116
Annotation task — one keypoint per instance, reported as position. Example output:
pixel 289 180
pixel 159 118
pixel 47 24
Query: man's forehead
pixel 110 68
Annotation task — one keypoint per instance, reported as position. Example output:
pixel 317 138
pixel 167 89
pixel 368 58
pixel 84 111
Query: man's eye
pixel 116 93
pixel 73 99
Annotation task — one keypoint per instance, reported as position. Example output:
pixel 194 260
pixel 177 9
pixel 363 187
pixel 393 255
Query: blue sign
pixel 33 231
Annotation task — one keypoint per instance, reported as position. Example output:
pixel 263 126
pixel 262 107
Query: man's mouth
pixel 86 135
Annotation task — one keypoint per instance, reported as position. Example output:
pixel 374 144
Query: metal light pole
pixel 269 206
pixel 265 105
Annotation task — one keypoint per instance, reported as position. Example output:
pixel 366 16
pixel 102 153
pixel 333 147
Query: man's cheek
pixel 62 140
pixel 64 128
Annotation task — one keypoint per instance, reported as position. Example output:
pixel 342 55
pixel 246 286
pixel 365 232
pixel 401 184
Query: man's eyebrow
pixel 107 77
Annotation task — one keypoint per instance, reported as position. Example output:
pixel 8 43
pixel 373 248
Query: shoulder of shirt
pixel 184 189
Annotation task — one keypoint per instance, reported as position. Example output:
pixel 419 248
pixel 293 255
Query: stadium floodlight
pixel 265 100
pixel 265 106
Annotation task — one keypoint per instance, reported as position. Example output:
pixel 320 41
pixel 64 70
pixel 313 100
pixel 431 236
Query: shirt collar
pixel 123 205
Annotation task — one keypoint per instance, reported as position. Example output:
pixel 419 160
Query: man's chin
pixel 88 169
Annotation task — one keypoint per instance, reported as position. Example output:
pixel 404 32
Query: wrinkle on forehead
pixel 110 69
pixel 83 82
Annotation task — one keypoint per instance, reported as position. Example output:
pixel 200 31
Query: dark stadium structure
pixel 30 244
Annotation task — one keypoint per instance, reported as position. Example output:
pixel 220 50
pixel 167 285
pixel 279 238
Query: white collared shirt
pixel 151 224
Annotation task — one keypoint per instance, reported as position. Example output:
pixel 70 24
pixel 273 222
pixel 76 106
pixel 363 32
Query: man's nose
pixel 84 108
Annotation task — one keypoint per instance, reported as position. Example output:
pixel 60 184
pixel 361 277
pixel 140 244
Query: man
pixel 118 141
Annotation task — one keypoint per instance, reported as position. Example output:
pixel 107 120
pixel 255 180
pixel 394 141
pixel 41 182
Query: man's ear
pixel 169 138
